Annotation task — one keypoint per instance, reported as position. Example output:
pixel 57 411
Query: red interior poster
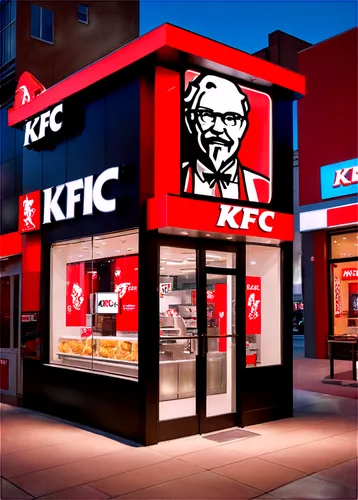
pixel 126 285
pixel 353 300
pixel 220 313
pixel 75 295
pixel 253 305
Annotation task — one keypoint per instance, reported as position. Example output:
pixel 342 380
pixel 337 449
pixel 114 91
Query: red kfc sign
pixel 253 305
pixel 350 273
pixel 227 140
pixel 30 212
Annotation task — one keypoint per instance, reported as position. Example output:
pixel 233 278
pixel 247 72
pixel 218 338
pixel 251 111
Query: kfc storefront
pixel 157 228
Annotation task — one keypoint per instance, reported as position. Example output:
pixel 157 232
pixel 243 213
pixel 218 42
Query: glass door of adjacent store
pixel 197 339
pixel 10 368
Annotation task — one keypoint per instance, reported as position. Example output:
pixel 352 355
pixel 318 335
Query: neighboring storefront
pixel 157 228
pixel 329 191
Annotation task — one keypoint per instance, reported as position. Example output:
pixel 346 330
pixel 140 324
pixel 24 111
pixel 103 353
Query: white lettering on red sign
pixel 91 192
pixel 346 176
pixel 252 287
pixel 250 216
pixel 45 120
pixel 350 273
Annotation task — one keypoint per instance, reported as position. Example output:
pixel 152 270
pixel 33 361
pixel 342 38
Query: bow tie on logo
pixel 216 178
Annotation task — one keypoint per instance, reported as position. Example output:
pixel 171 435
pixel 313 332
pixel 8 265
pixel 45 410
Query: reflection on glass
pixel 94 304
pixel 221 346
pixel 220 259
pixel 345 298
pixel 263 305
pixel 344 245
pixel 178 328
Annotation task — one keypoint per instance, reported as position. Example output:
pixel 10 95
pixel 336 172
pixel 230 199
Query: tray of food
pixel 109 349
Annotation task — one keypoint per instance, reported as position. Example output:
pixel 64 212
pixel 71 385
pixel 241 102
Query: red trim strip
pixel 167 132
pixel 348 214
pixel 164 36
pixel 10 244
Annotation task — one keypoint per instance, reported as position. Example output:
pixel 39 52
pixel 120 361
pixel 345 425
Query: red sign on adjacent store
pixel 30 212
pixel 350 273
pixel 253 305
pixel 126 285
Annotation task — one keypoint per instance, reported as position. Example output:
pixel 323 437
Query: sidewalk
pixel 311 456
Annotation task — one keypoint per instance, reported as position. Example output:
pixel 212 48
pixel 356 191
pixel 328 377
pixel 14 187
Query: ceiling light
pixel 344 238
pixel 213 256
pixel 85 248
pixel 118 251
pixel 80 255
pixel 356 244
pixel 184 233
pixel 103 243
pixel 208 235
pixel 335 241
pixel 338 244
pixel 252 262
pixel 229 237
pixel 129 249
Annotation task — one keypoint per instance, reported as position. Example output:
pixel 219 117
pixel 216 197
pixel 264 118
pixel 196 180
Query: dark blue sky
pixel 246 24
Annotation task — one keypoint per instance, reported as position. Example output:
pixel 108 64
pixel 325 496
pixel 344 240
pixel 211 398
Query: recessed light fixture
pixel 338 244
pixel 184 233
pixel 252 262
pixel 118 251
pixel 80 255
pixel 229 237
pixel 103 243
pixel 129 249
pixel 208 235
pixel 344 238
pixel 335 241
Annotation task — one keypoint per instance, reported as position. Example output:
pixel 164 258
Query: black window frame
pixel 40 37
pixel 7 27
pixel 86 13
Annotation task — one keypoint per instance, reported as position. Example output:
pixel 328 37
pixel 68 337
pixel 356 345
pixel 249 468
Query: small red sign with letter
pixel 253 305
pixel 30 212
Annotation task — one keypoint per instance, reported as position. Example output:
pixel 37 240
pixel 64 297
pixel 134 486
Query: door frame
pixel 200 423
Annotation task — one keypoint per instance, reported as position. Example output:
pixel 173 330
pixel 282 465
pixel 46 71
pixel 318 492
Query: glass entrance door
pixel 220 344
pixel 197 340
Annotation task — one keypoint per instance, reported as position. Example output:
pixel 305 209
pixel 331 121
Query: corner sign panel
pixel 217 218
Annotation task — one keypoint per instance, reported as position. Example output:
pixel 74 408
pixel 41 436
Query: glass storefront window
pixel 344 246
pixel 344 283
pixel 220 259
pixel 178 344
pixel 263 305
pixel 94 304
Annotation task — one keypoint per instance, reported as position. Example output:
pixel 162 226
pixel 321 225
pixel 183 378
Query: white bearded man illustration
pixel 29 212
pixel 216 118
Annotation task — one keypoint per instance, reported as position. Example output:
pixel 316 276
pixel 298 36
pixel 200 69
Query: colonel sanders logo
pixel 254 305
pixel 122 289
pixel 77 296
pixel 217 119
pixel 28 212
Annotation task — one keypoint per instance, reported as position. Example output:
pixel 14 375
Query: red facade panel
pixel 327 116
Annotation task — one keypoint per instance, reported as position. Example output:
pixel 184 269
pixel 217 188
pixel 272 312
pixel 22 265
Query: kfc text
pixel 36 129
pixel 92 195
pixel 346 177
pixel 228 217
pixel 107 303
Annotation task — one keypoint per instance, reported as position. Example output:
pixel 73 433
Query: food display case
pixel 110 352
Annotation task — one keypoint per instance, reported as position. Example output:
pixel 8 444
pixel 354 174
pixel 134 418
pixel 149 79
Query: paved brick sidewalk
pixel 311 456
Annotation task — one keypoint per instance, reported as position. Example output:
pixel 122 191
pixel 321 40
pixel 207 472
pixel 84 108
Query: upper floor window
pixel 42 23
pixel 7 31
pixel 82 13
